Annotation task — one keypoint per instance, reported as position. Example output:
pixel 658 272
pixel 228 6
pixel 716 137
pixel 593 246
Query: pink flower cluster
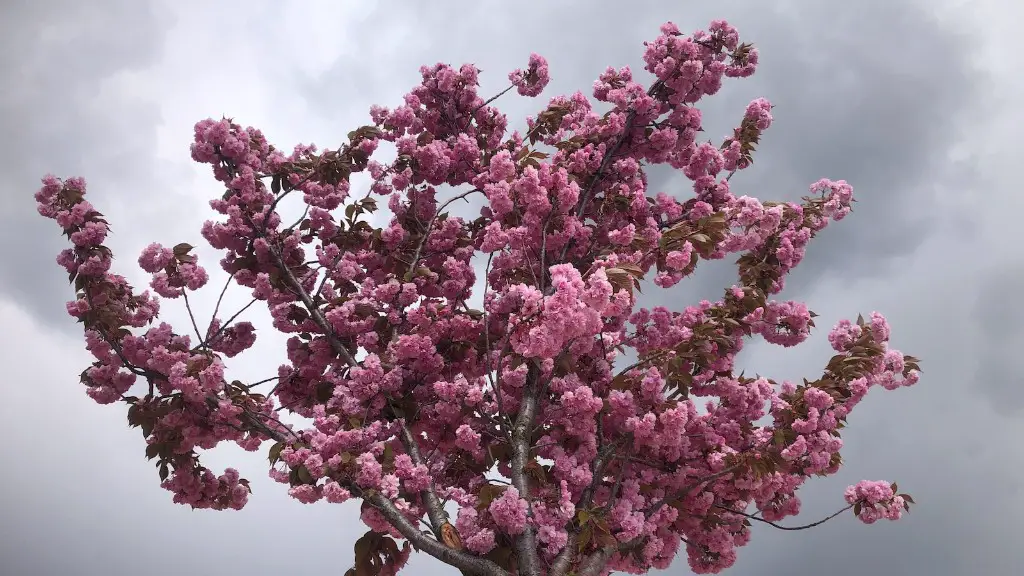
pixel 416 398
pixel 532 81
pixel 875 500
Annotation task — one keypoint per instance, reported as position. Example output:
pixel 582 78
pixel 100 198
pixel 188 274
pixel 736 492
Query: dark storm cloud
pixel 54 58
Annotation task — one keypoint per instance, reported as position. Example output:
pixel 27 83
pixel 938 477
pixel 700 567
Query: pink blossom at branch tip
pixel 759 112
pixel 877 501
pixel 532 81
pixel 155 258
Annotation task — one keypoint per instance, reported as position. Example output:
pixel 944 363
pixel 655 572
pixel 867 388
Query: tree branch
pixel 560 566
pixel 435 510
pixel 209 340
pixel 526 543
pixel 781 527
pixel 422 541
pixel 430 226
pixel 605 163
pixel 653 509
pixel 314 311
pixel 191 316
pixel 595 563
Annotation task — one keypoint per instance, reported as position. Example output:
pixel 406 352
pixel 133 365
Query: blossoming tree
pixel 511 439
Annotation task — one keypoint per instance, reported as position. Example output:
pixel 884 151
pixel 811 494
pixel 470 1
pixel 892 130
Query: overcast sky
pixel 915 103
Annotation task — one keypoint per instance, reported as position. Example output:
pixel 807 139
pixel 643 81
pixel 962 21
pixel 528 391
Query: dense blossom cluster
pixel 416 399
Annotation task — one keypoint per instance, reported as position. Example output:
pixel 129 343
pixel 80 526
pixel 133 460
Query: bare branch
pixel 781 527
pixel 491 99
pixel 191 316
pixel 220 298
pixel 209 341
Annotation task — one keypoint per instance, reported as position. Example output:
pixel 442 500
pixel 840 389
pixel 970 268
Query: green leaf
pixel 585 535
pixel 487 494
pixel 582 516
pixel 275 452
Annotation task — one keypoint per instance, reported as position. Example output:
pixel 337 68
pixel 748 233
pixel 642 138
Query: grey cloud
pixel 939 440
pixel 998 319
pixel 859 100
pixel 874 92
pixel 855 100
pixel 55 57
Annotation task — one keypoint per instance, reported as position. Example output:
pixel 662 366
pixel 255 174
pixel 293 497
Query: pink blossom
pixel 428 350
pixel 509 512
pixel 532 81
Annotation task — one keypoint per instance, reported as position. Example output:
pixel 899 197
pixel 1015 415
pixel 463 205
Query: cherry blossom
pixel 523 417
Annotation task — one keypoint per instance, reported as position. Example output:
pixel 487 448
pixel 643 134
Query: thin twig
pixel 781 527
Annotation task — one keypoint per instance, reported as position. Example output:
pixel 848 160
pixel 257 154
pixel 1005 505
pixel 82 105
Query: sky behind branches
pixel 908 101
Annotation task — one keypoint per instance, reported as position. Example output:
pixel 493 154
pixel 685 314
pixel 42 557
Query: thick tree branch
pixel 461 560
pixel 595 563
pixel 526 543
pixel 560 566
